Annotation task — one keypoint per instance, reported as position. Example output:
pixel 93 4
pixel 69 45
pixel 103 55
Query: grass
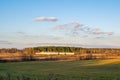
pixel 61 70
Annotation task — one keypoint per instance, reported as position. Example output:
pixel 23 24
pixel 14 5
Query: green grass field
pixel 61 70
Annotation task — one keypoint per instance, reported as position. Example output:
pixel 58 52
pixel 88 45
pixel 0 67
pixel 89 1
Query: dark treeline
pixel 76 50
pixel 57 49
pixel 77 53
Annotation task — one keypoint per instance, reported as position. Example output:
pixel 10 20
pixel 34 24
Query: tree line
pixel 79 52
pixel 76 50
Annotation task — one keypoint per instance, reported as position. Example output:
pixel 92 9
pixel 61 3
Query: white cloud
pixel 71 24
pixel 21 33
pixel 75 27
pixel 104 33
pixel 5 42
pixel 45 19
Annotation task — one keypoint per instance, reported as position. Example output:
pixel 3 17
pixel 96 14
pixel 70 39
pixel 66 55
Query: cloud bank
pixel 76 27
pixel 5 42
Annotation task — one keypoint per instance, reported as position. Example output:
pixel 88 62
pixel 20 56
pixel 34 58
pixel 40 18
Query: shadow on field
pixel 50 76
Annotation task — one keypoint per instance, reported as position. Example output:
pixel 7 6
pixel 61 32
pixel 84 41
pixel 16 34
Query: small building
pixel 55 53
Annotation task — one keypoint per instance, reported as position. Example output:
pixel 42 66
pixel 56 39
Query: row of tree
pixel 80 53
pixel 10 50
pixel 76 50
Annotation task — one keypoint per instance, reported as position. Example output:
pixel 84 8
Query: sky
pixel 80 23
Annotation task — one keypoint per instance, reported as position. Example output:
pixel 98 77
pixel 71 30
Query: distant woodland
pixel 14 54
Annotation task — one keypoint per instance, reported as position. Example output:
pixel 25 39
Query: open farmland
pixel 61 70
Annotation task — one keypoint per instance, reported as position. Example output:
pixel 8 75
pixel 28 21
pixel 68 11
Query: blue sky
pixel 84 23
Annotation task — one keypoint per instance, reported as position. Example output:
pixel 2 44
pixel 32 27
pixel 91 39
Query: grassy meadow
pixel 61 70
